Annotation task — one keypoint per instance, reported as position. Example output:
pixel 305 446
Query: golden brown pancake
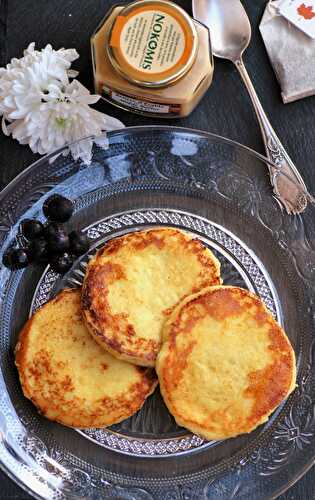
pixel 225 364
pixel 134 282
pixel 69 377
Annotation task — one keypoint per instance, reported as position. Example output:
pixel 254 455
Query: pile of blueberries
pixel 48 243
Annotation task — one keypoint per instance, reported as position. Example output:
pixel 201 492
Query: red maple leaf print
pixel 306 11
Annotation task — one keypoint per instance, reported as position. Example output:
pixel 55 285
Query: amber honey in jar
pixel 150 57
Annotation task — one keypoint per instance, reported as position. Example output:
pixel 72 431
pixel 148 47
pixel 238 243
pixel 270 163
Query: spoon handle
pixel 290 193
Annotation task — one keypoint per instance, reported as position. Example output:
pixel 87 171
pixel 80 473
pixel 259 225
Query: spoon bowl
pixel 231 32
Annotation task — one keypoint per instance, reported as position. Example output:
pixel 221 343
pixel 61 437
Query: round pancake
pixel 134 282
pixel 225 364
pixel 69 377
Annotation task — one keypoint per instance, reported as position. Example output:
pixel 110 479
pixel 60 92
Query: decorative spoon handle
pixel 292 194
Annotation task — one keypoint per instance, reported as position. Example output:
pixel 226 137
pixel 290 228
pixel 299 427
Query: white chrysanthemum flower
pixel 25 82
pixel 41 108
pixel 63 118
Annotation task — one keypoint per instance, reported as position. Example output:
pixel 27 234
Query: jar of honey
pixel 150 57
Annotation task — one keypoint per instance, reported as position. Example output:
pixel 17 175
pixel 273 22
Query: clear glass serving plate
pixel 219 191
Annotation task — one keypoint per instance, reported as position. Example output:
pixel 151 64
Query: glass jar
pixel 150 57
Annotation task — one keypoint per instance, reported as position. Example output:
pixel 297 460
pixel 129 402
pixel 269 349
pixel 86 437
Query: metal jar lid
pixel 152 43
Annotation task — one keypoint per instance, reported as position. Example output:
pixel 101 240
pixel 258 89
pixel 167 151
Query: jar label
pixel 139 104
pixel 152 41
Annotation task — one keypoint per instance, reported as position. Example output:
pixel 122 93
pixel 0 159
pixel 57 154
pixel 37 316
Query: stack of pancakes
pixel 154 299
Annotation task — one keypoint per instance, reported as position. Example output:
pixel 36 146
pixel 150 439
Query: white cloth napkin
pixel 291 53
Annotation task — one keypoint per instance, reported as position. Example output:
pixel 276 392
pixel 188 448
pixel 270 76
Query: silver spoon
pixel 230 34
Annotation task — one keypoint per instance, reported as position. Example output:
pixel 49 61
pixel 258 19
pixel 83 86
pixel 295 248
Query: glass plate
pixel 220 192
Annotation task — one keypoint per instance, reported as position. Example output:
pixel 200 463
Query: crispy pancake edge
pixel 90 315
pixel 105 344
pixel 191 425
pixel 148 375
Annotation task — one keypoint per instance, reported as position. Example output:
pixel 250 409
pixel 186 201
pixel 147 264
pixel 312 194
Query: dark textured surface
pixel 225 110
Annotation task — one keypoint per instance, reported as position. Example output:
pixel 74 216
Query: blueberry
pixel 61 263
pixel 38 251
pixel 79 242
pixel 31 228
pixel 52 229
pixel 58 243
pixel 15 258
pixel 58 208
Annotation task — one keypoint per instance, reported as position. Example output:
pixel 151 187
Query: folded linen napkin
pixel 291 53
